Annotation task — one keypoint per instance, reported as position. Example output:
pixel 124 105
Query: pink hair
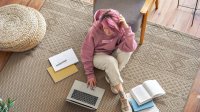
pixel 109 18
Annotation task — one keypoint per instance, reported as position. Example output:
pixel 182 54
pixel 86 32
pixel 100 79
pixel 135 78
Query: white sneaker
pixel 125 106
pixel 115 91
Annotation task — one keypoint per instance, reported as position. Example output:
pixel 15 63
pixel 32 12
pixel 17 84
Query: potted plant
pixel 5 106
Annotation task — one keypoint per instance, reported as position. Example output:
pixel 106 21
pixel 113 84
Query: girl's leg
pixel 122 58
pixel 125 106
pixel 110 65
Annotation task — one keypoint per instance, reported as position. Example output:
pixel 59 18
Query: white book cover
pixel 146 91
pixel 63 59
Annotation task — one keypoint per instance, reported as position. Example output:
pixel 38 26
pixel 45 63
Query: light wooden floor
pixel 177 18
pixel 167 14
pixel 37 4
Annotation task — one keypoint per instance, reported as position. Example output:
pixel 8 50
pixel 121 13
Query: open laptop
pixel 85 97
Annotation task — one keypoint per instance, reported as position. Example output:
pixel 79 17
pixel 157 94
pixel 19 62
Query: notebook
pixel 63 59
pixel 66 72
pixel 146 91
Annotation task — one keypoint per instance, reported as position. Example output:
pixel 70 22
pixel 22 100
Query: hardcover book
pixel 147 91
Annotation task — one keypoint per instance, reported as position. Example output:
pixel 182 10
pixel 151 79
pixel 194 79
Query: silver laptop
pixel 83 96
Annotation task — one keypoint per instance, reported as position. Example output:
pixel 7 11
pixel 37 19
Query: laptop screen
pixel 84 97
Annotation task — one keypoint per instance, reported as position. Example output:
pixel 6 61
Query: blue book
pixel 137 107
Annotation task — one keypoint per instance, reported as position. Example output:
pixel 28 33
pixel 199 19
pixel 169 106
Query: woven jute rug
pixel 170 57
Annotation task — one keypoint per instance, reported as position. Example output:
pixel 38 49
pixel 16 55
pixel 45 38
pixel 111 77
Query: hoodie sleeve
pixel 127 42
pixel 87 54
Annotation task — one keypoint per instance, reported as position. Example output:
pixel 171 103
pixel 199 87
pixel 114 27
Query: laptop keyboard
pixel 84 97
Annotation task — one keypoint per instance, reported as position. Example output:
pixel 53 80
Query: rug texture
pixel 170 57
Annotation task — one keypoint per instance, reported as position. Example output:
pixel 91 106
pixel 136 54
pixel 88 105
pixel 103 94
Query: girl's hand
pixel 91 82
pixel 123 21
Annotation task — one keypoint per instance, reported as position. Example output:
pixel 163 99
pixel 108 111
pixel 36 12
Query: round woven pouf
pixel 21 28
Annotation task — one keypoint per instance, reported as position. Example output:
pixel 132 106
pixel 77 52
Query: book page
pixel 140 94
pixel 153 88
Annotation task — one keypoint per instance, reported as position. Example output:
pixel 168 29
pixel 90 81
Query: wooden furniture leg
pixel 193 103
pixel 157 2
pixel 143 28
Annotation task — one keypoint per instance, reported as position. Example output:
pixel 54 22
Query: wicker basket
pixel 21 28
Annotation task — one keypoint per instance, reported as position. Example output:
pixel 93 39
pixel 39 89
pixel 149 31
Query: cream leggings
pixel 112 64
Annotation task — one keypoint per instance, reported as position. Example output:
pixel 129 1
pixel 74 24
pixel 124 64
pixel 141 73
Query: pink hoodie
pixel 97 41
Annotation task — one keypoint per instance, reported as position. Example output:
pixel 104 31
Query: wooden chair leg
pixel 143 28
pixel 157 2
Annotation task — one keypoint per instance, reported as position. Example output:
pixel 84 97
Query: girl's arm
pixel 87 54
pixel 127 42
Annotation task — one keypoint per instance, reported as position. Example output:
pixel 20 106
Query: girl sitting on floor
pixel 109 34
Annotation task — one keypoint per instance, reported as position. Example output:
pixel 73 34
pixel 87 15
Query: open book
pixel 146 91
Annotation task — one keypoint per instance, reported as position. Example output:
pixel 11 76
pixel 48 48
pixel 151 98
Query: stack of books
pixel 141 96
pixel 63 65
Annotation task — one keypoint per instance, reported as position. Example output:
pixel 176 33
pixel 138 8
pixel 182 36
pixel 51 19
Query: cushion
pixel 21 28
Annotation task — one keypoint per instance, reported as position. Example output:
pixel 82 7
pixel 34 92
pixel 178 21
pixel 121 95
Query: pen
pixel 61 62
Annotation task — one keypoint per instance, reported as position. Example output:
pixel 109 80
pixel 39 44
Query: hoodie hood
pixel 98 14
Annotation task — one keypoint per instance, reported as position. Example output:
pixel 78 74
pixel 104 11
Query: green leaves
pixel 10 103
pixel 5 106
